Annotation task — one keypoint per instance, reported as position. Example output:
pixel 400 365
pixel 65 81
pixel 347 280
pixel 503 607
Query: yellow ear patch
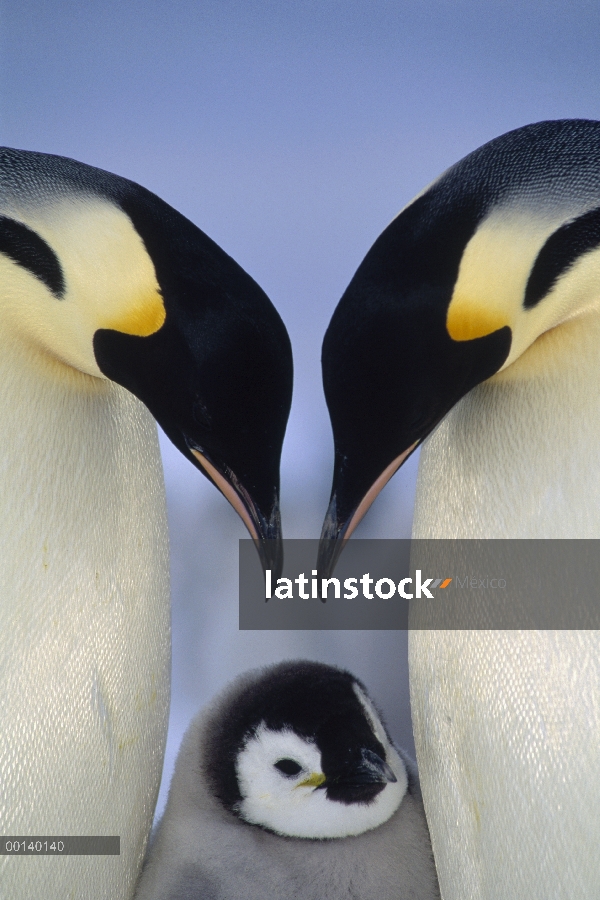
pixel 144 316
pixel 493 272
pixel 468 319
pixel 110 280
pixel 315 780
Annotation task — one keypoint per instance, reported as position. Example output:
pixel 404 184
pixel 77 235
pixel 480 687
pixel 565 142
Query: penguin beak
pixel 264 529
pixel 346 509
pixel 386 402
pixel 314 780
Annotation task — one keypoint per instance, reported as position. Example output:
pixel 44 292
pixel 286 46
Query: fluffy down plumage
pixel 203 850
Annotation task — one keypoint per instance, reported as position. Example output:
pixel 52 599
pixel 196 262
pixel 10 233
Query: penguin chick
pixel 288 786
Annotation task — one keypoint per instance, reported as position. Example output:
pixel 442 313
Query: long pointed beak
pixel 265 529
pixel 344 513
pixel 332 539
pixel 269 541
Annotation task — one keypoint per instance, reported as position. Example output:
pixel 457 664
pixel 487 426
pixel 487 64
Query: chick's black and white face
pixel 294 787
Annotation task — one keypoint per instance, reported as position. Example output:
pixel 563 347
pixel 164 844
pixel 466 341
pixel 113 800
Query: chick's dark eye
pixel 288 766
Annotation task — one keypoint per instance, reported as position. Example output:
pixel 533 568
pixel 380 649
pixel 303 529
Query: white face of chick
pixel 284 788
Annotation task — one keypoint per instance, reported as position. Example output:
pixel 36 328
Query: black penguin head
pixel 457 287
pixel 119 284
pixel 217 375
pixel 300 750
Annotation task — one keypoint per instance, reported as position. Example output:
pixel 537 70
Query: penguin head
pixel 102 275
pixel 504 246
pixel 301 751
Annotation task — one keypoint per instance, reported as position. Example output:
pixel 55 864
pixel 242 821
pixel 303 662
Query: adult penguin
pixel 110 300
pixel 479 306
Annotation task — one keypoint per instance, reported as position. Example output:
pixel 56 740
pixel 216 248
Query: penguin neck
pixel 66 479
pixel 50 413
pixel 80 483
pixel 518 456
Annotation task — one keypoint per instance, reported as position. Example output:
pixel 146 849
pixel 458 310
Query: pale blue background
pixel 291 133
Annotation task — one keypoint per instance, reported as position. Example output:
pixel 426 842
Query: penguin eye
pixel 288 767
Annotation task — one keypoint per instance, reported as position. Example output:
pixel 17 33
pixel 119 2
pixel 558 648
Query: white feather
pixel 507 724
pixel 84 617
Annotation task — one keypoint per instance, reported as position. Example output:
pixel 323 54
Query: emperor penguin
pixel 472 327
pixel 115 311
pixel 289 786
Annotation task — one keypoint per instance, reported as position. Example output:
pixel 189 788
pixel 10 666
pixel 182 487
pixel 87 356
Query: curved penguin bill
pixel 504 246
pixel 150 302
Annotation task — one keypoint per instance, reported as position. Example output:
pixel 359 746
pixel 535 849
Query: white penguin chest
pixel 84 616
pixel 507 723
